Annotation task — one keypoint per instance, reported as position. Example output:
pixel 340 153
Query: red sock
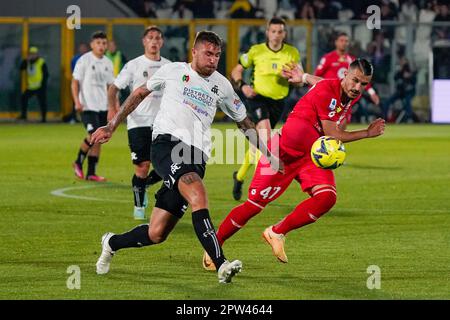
pixel 308 211
pixel 236 219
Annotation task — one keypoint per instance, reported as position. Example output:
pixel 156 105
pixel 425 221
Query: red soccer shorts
pixel 267 185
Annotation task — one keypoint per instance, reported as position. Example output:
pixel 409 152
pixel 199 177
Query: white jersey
pixel 134 75
pixel 94 75
pixel 189 103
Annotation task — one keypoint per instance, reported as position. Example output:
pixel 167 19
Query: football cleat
pixel 207 262
pixel 139 213
pixel 228 270
pixel 237 187
pixel 96 178
pixel 78 170
pixel 104 260
pixel 276 241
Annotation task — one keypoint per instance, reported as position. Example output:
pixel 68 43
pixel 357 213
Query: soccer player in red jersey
pixel 334 64
pixel 322 111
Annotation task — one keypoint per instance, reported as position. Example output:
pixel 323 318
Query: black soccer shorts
pixel 92 120
pixel 261 108
pixel 140 143
pixel 171 159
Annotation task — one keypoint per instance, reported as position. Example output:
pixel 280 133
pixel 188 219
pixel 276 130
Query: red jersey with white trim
pixel 304 126
pixel 332 65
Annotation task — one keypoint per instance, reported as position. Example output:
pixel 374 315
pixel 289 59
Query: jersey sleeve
pixel 79 70
pixel 157 81
pixel 232 105
pixel 124 78
pixel 246 60
pixel 322 67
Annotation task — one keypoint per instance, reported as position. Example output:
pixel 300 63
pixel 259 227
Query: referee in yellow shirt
pixel 266 95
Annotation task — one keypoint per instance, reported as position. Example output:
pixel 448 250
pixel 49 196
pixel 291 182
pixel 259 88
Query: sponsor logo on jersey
pixel 332 114
pixel 215 90
pixel 133 156
pixel 332 105
pixel 145 74
pixel 169 182
pixel 198 96
pixel 185 78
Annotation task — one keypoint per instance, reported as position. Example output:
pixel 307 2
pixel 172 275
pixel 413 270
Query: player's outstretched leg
pixel 322 200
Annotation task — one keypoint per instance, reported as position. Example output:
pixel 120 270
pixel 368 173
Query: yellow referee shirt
pixel 267 65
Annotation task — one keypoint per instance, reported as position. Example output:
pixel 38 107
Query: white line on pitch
pixel 62 193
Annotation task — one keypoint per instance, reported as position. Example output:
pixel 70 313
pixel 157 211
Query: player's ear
pixel 345 73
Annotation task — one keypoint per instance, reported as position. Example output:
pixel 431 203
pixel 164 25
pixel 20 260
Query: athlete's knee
pixel 192 189
pixel 325 198
pixel 157 235
pixel 141 169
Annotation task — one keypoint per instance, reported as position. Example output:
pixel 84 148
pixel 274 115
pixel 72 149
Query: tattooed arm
pixel 103 134
pixel 250 132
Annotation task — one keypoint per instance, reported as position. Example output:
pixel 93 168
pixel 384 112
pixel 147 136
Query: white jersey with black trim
pixel 94 75
pixel 135 74
pixel 189 103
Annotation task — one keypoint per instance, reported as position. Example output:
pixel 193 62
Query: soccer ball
pixel 328 152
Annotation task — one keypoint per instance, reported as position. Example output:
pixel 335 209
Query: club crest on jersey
pixel 274 66
pixel 185 78
pixel 145 74
pixel 332 105
pixel 215 90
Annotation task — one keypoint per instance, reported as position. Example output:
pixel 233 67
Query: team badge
pixel 274 66
pixel 332 105
pixel 185 78
pixel 145 74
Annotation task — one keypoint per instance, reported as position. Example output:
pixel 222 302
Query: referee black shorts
pixel 171 159
pixel 140 143
pixel 261 108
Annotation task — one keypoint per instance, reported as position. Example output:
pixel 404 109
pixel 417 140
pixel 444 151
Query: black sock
pixel 207 236
pixel 81 156
pixel 92 165
pixel 136 238
pixel 152 178
pixel 138 190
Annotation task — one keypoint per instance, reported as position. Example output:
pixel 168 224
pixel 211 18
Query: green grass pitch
pixel 393 211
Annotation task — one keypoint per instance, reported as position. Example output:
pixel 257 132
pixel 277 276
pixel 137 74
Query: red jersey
pixel 304 126
pixel 332 65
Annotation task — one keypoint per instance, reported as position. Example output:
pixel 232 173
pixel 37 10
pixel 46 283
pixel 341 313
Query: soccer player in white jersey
pixel 192 92
pixel 92 75
pixel 139 123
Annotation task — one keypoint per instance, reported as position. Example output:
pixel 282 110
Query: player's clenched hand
pixel 376 128
pixel 101 135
